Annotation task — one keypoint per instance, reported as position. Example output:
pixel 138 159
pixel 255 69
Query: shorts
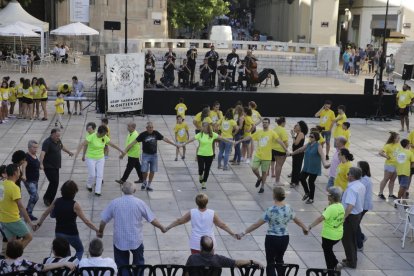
pixel 180 143
pixel 389 168
pixel 43 99
pixel 331 182
pixel 277 153
pixel 327 136
pixel 404 181
pixel 27 100
pixel 263 164
pixel 149 162
pixel 13 229
pixel 246 142
pixel 404 111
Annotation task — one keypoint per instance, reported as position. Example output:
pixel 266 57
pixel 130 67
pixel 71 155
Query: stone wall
pixel 404 55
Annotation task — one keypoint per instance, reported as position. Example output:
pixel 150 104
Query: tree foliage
pixel 195 14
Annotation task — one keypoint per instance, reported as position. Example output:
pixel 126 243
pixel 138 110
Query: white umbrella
pixel 75 29
pixel 17 30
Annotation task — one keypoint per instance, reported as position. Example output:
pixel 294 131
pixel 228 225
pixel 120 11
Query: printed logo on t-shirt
pixel 324 119
pixel 181 132
pixel 263 141
pixel 181 109
pixel 225 125
pixel 402 98
pixel 214 119
pixel 1 190
pixel 401 157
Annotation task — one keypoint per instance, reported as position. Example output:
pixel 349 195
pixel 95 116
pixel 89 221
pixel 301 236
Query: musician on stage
pixel 171 54
pixel 242 75
pixel 169 67
pixel 232 61
pixel 223 76
pixel 249 59
pixel 149 73
pixel 184 74
pixel 150 55
pixel 191 62
pixel 212 57
pixel 205 72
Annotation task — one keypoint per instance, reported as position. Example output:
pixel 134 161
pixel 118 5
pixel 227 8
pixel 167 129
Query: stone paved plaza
pixel 232 195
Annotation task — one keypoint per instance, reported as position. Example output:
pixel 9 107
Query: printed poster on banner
pixel 125 76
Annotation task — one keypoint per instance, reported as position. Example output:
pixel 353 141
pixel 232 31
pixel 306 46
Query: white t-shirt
pixel 98 262
pixel 201 225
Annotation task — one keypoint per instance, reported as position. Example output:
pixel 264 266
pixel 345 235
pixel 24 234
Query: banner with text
pixel 125 77
pixel 79 11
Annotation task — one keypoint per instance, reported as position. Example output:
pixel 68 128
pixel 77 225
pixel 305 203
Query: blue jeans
pixel 34 196
pixel 74 241
pixel 149 163
pixel 360 235
pixel 122 257
pixel 224 153
pixel 237 151
pixel 331 182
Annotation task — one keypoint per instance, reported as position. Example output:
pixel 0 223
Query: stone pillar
pixel 328 58
pixel 324 21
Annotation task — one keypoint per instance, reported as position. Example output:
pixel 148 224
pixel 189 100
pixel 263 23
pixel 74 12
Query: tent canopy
pixel 75 29
pixel 17 30
pixel 14 12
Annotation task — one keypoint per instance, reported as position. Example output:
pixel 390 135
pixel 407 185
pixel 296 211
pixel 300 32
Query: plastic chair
pixel 23 273
pixel 135 270
pixel 322 272
pixel 409 225
pixel 64 271
pixel 289 269
pixel 203 271
pixel 248 270
pixel 402 205
pixel 97 271
pixel 168 270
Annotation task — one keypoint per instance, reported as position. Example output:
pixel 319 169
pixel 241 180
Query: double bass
pixel 251 72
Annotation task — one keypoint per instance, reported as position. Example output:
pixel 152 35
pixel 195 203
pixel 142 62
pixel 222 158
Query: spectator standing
pixel 128 212
pixel 133 155
pixel 50 163
pixel 78 87
pixel 404 100
pixel 212 57
pixel 368 204
pixel 353 201
pixel 95 258
pixel 32 166
pixel 149 139
pixel 332 230
pixel 65 209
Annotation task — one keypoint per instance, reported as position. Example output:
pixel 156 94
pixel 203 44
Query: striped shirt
pixel 52 260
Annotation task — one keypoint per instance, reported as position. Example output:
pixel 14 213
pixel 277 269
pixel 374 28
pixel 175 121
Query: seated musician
pixel 205 73
pixel 184 74
pixel 151 56
pixel 242 75
pixel 168 78
pixel 223 74
pixel 149 74
pixel 66 90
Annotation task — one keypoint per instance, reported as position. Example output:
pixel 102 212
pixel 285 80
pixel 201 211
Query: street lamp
pixel 126 27
pixel 382 60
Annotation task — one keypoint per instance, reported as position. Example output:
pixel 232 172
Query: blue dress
pixel 312 161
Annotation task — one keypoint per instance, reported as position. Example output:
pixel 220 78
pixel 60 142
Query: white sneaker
pixel 247 161
pixel 242 159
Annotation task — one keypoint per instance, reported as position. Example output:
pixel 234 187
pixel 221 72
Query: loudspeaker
pixel 407 71
pixel 95 64
pixel 101 100
pixel 112 25
pixel 369 87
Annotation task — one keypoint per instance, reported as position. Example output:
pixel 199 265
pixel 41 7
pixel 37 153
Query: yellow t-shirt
pixel 227 127
pixel 248 123
pixel 62 90
pixel 28 93
pixel 403 162
pixel 339 123
pixel 264 139
pixel 281 131
pixel 180 131
pixel 326 118
pixel 404 98
pixel 9 193
pixel 341 178
pixel 59 104
pixel 37 93
pixel 256 116
pixel 346 134
pixel 216 116
pixel 181 109
pixel 391 150
pixel 43 92
pixel 197 118
pixel 109 131
pixel 19 88
pixel 12 94
pixel 4 94
pixel 411 139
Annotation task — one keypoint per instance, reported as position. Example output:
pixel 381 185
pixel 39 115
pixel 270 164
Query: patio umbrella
pixel 17 30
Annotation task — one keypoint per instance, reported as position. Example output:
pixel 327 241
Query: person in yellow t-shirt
pixel 43 97
pixel 66 89
pixel 346 133
pixel 341 178
pixel 326 121
pixel 390 152
pixel 4 101
pixel 37 95
pixel 228 129
pixel 11 207
pixel 19 88
pixel 181 108
pixel 201 117
pixel 12 97
pixel 278 152
pixel 105 123
pixel 216 116
pixel 60 107
pixel 404 100
pixel 411 140
pixel 263 156
pixel 257 119
pixel 248 128
pixel 181 136
pixel 27 100
pixel 404 162
pixel 339 120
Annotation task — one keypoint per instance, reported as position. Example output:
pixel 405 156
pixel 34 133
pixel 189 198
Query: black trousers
pixel 204 165
pixel 213 74
pixel 349 240
pixel 192 67
pixel 275 248
pixel 308 187
pixel 133 163
pixel 297 160
pixel 52 176
pixel 330 258
pixel 360 235
pixel 149 78
pixel 233 73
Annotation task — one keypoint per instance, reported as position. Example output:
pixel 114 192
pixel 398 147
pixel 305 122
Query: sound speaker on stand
pixel 95 64
pixel 407 71
pixel 369 87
